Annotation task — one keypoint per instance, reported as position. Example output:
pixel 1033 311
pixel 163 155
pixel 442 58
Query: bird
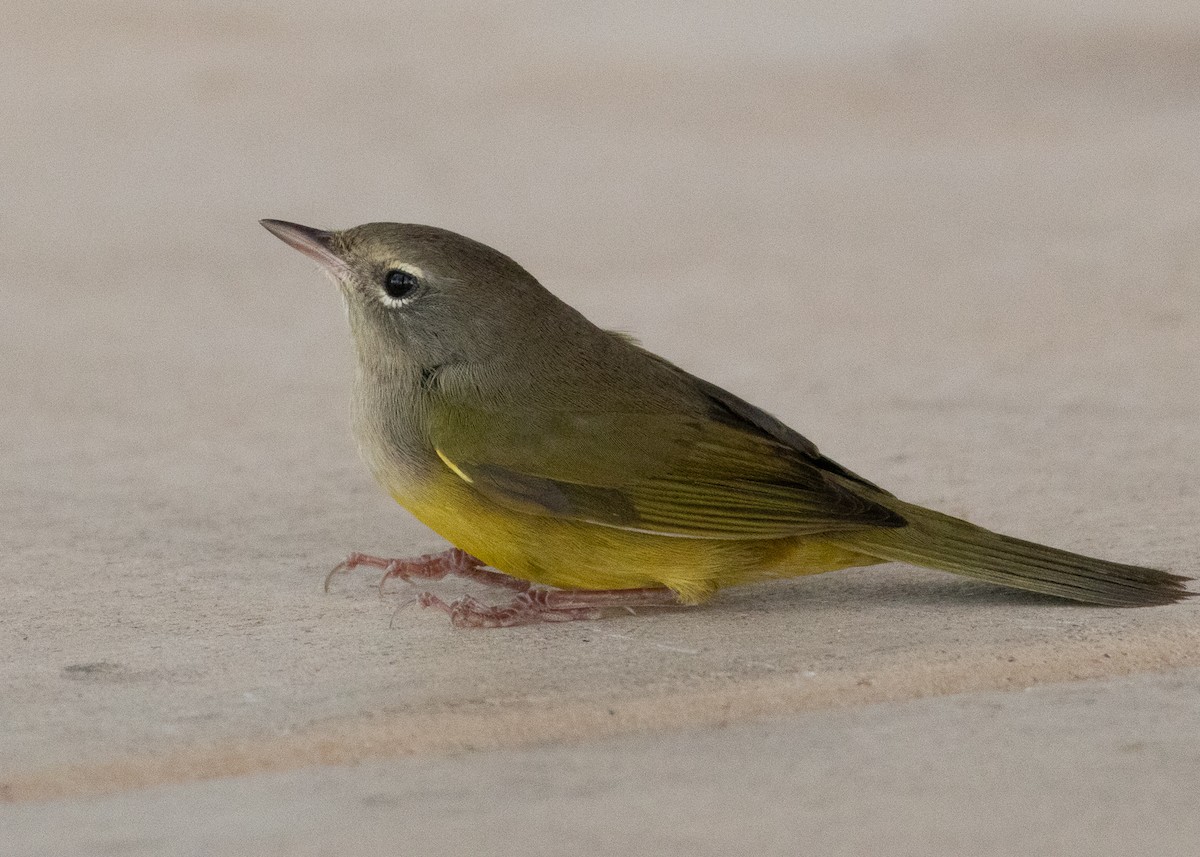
pixel 580 472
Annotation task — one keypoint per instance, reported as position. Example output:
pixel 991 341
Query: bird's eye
pixel 399 284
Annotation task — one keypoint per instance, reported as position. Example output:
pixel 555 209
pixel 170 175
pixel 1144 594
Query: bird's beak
pixel 317 244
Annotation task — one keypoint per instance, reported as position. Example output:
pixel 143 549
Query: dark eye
pixel 399 284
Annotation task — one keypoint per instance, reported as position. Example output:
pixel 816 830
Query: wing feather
pixel 673 474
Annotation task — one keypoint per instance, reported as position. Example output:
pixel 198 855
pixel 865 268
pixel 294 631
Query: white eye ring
pixel 400 284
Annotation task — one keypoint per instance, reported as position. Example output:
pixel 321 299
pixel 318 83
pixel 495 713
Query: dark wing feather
pixel 663 473
pixel 736 411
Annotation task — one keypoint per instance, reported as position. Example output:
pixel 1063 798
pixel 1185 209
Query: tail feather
pixel 950 544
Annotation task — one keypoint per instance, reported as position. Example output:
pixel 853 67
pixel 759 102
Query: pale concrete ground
pixel 956 775
pixel 957 249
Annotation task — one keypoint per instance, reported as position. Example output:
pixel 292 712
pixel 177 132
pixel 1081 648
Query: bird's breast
pixel 390 425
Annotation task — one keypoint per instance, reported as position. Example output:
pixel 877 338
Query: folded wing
pixel 671 474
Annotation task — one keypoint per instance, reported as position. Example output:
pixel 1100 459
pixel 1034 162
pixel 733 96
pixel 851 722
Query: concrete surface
pixel 1090 769
pixel 957 248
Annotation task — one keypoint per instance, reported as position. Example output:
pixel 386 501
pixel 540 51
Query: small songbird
pixel 565 455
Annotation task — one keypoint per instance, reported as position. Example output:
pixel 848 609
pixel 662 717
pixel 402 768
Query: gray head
pixel 419 296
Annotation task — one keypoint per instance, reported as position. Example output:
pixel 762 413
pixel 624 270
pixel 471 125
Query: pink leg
pixel 433 566
pixel 546 605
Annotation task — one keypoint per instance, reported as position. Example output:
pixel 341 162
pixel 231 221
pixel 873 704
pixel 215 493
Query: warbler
pixel 567 456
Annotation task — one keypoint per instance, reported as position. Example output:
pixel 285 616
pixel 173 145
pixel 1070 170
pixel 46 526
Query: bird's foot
pixel 433 566
pixel 546 605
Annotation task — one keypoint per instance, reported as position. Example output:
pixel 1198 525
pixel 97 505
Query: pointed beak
pixel 317 244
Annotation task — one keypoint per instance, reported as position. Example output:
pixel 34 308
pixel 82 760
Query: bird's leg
pixel 546 605
pixel 433 566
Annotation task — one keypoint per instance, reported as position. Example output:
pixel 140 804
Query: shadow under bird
pixel 565 455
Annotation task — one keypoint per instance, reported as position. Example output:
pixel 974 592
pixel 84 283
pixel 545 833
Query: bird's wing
pixel 665 473
pixel 724 406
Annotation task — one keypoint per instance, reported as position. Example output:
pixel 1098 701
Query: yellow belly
pixel 577 555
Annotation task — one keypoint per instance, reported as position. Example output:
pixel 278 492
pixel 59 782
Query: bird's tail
pixel 950 544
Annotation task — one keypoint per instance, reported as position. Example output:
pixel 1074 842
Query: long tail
pixel 950 544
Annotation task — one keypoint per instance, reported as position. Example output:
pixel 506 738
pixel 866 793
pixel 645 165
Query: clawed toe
pixel 434 566
pixel 347 565
pixel 525 609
